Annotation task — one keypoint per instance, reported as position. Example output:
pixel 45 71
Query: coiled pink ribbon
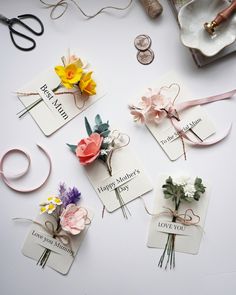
pixel 7 179
pixel 174 109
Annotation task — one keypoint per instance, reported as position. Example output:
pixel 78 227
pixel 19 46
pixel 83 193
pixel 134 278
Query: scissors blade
pixel 4 19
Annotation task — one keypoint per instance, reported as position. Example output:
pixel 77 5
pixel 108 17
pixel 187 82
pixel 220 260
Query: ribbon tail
pixel 219 138
pixel 190 103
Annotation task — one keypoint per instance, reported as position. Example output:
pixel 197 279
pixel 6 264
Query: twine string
pixel 63 4
pixel 183 218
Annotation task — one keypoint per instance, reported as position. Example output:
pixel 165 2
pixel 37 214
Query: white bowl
pixel 192 17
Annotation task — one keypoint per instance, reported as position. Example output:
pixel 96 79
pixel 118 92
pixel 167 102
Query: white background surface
pixel 114 258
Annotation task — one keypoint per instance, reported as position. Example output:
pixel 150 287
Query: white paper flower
pixel 181 180
pixel 107 140
pixel 103 152
pixel 189 190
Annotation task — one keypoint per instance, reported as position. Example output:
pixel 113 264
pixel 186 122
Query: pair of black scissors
pixel 18 21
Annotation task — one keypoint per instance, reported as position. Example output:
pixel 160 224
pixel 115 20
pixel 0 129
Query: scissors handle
pixel 13 21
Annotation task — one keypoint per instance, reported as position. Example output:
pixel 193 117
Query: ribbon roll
pixel 7 179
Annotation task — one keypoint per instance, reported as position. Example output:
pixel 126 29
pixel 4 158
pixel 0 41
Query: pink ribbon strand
pixel 191 103
pixel 7 179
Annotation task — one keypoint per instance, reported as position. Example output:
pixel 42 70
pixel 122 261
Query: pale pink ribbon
pixel 174 109
pixel 7 179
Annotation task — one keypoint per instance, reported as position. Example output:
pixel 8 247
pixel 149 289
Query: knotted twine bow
pixel 50 229
pixel 183 218
pixel 6 179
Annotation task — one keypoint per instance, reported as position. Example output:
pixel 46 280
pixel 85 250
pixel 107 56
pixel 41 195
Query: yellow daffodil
pixel 70 74
pixel 87 84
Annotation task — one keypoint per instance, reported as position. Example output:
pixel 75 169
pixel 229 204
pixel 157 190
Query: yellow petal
pixel 43 209
pixel 60 70
pixel 57 201
pixel 51 208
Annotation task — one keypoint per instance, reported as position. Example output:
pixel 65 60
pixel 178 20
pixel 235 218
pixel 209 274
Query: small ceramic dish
pixel 192 17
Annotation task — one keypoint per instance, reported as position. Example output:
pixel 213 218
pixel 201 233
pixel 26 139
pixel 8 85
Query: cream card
pixel 194 119
pixel 128 178
pixel 61 256
pixel 188 237
pixel 55 110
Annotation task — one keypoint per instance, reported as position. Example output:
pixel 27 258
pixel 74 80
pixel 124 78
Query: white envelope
pixel 188 242
pixel 60 258
pixel 54 112
pixel 127 173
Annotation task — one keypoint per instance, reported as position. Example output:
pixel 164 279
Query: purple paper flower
pixel 70 196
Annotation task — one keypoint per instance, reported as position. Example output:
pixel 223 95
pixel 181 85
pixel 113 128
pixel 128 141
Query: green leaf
pixel 72 147
pixel 98 120
pixel 88 127
pixel 105 133
pixel 167 196
pixel 169 180
pixel 196 196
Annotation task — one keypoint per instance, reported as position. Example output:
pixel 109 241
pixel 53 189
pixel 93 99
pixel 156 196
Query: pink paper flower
pixel 73 219
pixel 152 108
pixel 88 149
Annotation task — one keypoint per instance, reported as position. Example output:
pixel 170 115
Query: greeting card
pixel 57 233
pixel 175 121
pixel 178 217
pixel 113 170
pixel 60 93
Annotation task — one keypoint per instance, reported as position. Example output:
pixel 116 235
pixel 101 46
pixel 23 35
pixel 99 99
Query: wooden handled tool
pixel 220 18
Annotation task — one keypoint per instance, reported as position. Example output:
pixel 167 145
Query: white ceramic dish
pixel 192 17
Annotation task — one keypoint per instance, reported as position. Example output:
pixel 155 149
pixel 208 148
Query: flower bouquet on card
pixel 180 190
pixel 69 217
pixel 100 145
pixel 75 80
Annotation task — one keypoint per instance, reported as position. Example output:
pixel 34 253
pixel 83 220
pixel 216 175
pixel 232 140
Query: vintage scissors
pixel 17 21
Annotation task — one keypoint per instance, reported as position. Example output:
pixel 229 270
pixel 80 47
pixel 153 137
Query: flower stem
pixel 169 249
pixel 123 206
pixel 46 253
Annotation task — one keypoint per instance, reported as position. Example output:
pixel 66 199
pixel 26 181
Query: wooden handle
pixel 225 14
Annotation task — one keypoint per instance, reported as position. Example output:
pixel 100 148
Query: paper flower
pixel 68 216
pixel 70 196
pixel 50 205
pixel 70 75
pixel 101 144
pixel 73 76
pixel 151 108
pixel 88 149
pixel 73 219
pixel 87 84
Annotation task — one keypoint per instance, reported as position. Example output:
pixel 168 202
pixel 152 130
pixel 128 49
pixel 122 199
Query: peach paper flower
pixel 88 149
